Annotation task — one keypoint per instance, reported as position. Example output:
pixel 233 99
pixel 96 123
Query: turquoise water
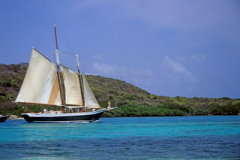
pixel 205 137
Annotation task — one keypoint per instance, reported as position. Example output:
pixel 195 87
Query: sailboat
pixel 42 86
pixel 3 118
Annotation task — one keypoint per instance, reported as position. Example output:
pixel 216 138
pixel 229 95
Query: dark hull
pixel 3 119
pixel 63 117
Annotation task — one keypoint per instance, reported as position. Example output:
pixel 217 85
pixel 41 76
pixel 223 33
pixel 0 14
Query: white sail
pixel 72 87
pixel 90 100
pixel 40 84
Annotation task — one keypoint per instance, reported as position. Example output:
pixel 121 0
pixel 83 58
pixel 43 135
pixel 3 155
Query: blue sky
pixel 173 48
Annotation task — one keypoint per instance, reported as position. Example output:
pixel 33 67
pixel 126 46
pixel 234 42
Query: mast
pixel 80 81
pixel 57 60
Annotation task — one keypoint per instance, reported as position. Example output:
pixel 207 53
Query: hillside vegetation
pixel 130 100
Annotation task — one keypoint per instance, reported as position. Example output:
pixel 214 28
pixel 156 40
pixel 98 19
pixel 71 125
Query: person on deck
pixel 63 110
pixel 82 110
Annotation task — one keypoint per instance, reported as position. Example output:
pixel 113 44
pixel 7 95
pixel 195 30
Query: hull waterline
pixel 85 116
pixel 3 119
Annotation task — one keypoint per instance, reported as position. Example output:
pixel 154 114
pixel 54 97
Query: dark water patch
pixel 127 148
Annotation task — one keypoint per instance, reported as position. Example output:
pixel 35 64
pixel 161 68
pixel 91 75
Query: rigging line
pixel 71 54
pixel 65 40
pixel 67 53
pixel 82 64
pixel 69 46
pixel 68 61
pixel 85 69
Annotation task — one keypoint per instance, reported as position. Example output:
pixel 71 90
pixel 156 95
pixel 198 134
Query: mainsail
pixel 72 87
pixel 90 100
pixel 40 84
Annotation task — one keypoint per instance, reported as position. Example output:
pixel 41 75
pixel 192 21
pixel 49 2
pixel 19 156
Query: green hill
pixel 130 100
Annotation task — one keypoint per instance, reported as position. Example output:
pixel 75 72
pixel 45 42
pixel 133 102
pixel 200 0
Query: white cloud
pixel 138 77
pixel 186 58
pixel 120 71
pixel 170 77
pixel 104 68
pixel 97 56
pixel 198 58
pixel 180 71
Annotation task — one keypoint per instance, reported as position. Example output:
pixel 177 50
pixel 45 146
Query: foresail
pixel 40 84
pixel 90 100
pixel 72 87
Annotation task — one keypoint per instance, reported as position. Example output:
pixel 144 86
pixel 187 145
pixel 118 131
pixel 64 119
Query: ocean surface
pixel 203 137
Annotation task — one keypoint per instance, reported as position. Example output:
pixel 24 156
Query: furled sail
pixel 40 84
pixel 72 87
pixel 90 100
